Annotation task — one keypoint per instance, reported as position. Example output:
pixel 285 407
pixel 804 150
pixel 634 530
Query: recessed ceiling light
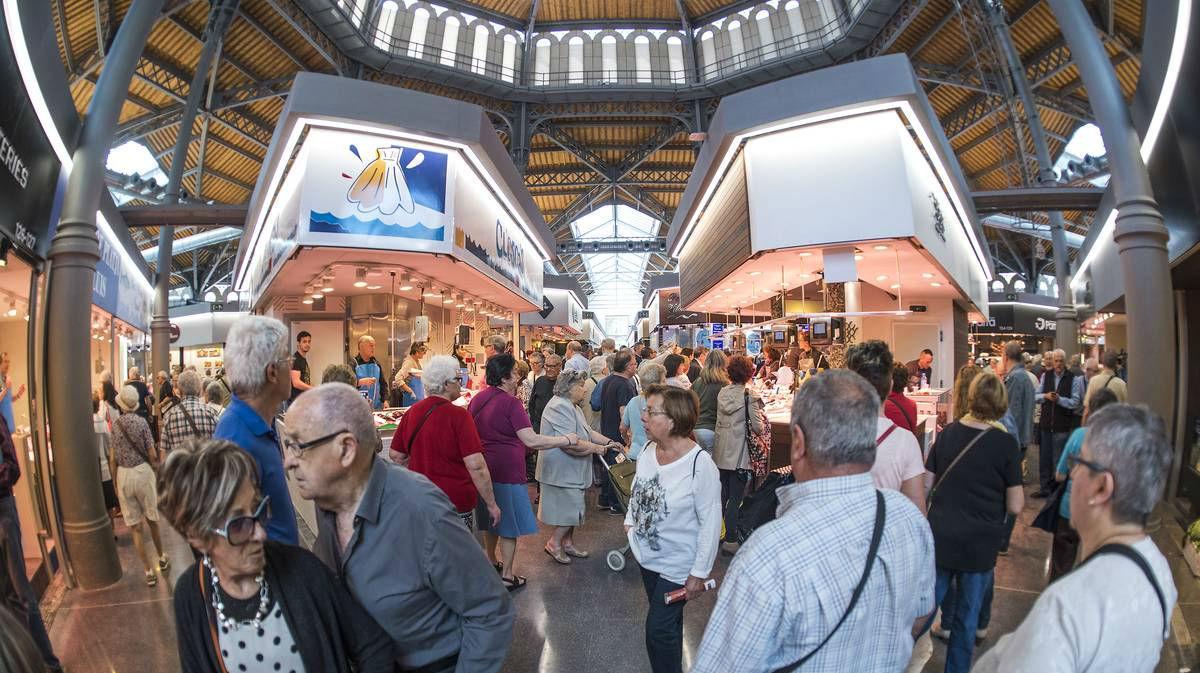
pixel 306 300
pixel 806 254
pixel 936 284
pixel 927 275
pixel 405 288
pixel 756 273
pixel 360 277
pixel 727 289
pixel 895 286
pixel 317 295
pixel 881 277
pixel 374 287
pixel 881 247
pixel 738 282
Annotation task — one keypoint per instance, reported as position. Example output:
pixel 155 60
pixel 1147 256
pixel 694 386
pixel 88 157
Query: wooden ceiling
pixel 264 45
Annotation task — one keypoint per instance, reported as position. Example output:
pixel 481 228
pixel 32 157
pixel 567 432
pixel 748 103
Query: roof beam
pixel 224 177
pixel 198 36
pixel 270 37
pixel 1054 199
pixel 313 35
pixel 933 31
pixel 895 27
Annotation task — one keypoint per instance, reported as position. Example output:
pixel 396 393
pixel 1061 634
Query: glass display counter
pixel 933 414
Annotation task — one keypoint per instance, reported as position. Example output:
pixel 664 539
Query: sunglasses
pixel 298 448
pixel 240 529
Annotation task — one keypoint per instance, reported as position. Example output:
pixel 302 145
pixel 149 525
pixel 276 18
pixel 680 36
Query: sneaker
pixel 730 547
pixel 614 511
pixel 981 634
pixel 940 633
pixel 164 563
pixel 151 579
pixel 1003 552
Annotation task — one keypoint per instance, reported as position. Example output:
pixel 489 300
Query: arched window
pixel 449 41
pixel 641 58
pixel 541 62
pixel 709 49
pixel 385 25
pixel 796 25
pixel 766 36
pixel 997 285
pixel 416 36
pixel 356 8
pixel 479 50
pixel 737 47
pixel 575 60
pixel 675 60
pixel 1019 285
pixel 509 66
pixel 608 57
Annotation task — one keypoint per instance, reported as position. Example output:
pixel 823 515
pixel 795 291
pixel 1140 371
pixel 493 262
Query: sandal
pixel 571 551
pixel 513 583
pixel 499 567
pixel 557 555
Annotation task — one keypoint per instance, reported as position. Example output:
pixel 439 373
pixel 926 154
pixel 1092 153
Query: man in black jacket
pixel 543 390
pixel 1061 398
pixel 16 593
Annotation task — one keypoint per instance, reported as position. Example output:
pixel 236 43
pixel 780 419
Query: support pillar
pixel 516 334
pixel 219 17
pixel 1140 234
pixel 1066 333
pixel 91 551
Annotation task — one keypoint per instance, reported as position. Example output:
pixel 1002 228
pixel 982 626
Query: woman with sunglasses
pixel 250 604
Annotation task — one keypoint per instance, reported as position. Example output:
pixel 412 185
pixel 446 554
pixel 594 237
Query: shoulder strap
pixel 876 537
pixel 885 434
pixel 475 414
pixel 212 627
pixel 903 413
pixel 1140 561
pixel 421 423
pixel 940 478
pixel 188 417
pixel 1110 380
pixel 136 447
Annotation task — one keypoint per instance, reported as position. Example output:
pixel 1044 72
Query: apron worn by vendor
pixel 408 399
pixel 365 369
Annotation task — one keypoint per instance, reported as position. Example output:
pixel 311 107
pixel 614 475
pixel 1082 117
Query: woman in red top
pixel 438 439
pixel 897 407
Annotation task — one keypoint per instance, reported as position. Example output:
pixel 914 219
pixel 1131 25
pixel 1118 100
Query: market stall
pixel 558 320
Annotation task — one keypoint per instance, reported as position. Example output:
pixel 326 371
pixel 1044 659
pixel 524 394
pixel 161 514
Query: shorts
pixel 137 493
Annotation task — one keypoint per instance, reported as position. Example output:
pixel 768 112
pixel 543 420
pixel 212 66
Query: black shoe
pixel 614 511
pixel 1042 493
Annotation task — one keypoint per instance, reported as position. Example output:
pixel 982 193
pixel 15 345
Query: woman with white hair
pixel 135 455
pixel 1112 613
pixel 438 439
pixel 566 472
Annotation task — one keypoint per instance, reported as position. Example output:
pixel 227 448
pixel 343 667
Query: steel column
pixel 1140 234
pixel 1066 333
pixel 220 16
pixel 91 550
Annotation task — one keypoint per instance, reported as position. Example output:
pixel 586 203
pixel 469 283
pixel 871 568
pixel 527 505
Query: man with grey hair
pixel 493 345
pixel 259 370
pixel 371 382
pixel 213 397
pixel 1113 612
pixel 1107 378
pixel 394 540
pixel 831 521
pixel 190 419
pixel 1061 398
pixel 608 346
pixel 575 359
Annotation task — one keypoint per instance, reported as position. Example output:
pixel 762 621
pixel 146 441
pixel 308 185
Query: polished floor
pixel 582 617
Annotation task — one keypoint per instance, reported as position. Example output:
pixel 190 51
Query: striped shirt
pixel 793 579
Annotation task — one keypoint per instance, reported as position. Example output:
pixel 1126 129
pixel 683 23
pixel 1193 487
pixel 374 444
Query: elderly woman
pixel 975 468
pixel 135 456
pixel 713 377
pixel 438 439
pixel 525 387
pixel 408 377
pixel 597 371
pixel 507 433
pixel 962 385
pixel 1112 612
pixel 632 428
pixel 567 472
pixel 339 374
pixel 674 519
pixel 737 411
pixel 251 604
pixel 677 368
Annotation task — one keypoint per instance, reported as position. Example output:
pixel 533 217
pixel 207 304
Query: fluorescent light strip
pixel 16 36
pixel 902 106
pixel 1022 303
pixel 1154 129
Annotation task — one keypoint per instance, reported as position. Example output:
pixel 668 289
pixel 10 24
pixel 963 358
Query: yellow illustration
pixel 381 185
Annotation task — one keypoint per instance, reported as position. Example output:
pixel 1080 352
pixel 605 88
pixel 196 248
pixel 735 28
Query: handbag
pixel 876 536
pixel 758 458
pixel 1047 518
pixel 941 478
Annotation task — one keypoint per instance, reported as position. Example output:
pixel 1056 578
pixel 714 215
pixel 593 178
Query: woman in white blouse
pixel 674 518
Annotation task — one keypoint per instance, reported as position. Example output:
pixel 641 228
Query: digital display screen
pixel 780 335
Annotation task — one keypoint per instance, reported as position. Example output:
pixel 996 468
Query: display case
pixel 933 414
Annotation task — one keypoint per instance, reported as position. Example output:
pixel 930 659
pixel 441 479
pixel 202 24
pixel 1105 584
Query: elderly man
pixel 576 360
pixel 371 382
pixel 259 369
pixel 1061 398
pixel 543 390
pixel 608 346
pixel 189 420
pixel 493 345
pixel 837 539
pixel 395 541
pixel 1107 378
pixel 213 398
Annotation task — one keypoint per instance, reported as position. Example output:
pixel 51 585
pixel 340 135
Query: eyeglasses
pixel 1073 461
pixel 649 411
pixel 298 448
pixel 240 529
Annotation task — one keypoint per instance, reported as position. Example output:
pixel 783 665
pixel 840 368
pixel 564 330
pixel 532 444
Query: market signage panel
pixel 115 290
pixel 371 191
pixel 559 307
pixel 29 168
pixel 283 226
pixel 487 238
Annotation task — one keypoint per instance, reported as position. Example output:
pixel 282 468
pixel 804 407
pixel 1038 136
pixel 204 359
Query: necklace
pixel 219 605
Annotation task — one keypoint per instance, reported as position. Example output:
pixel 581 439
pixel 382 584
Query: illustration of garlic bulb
pixel 381 185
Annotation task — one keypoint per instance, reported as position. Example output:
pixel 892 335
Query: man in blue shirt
pixel 259 370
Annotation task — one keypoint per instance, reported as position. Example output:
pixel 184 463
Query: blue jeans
pixel 950 604
pixel 20 597
pixel 1050 448
pixel 664 625
pixel 705 438
pixel 964 618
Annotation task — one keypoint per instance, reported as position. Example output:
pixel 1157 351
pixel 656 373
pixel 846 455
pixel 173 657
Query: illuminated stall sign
pixel 29 168
pixel 559 307
pixel 487 238
pixel 1017 319
pixel 115 289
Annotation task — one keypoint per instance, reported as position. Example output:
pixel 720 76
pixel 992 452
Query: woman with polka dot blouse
pixel 250 604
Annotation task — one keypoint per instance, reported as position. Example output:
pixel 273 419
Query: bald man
pixel 394 539
pixel 576 360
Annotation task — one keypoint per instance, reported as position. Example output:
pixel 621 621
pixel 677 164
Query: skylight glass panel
pixel 616 278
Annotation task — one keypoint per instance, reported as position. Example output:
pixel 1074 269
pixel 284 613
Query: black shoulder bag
pixel 876 536
pixel 420 424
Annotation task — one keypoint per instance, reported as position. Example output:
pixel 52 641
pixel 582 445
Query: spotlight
pixel 880 278
pixel 327 284
pixel 405 282
pixel 360 277
pixel 12 308
pixel 881 247
pixel 5 244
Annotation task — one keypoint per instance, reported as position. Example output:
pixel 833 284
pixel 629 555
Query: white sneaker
pixel 981 634
pixel 939 633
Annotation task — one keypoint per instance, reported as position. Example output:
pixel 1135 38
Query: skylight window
pixel 616 278
pixel 133 158
pixel 1086 141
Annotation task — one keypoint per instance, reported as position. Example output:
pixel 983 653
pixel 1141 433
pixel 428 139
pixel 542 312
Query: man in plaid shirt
pixel 793 580
pixel 190 419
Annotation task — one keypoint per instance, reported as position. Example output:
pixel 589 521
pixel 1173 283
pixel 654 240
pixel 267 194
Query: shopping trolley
pixel 620 475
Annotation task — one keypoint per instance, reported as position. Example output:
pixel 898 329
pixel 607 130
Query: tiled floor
pixel 582 617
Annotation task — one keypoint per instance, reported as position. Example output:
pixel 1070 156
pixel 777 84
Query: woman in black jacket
pixel 252 604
